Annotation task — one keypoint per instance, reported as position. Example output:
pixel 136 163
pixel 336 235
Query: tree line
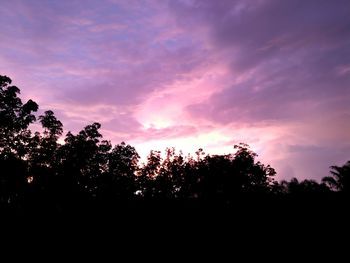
pixel 36 170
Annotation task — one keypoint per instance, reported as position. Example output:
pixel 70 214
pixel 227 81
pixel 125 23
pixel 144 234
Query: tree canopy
pixel 37 170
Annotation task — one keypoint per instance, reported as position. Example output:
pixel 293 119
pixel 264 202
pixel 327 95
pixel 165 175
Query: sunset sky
pixel 208 73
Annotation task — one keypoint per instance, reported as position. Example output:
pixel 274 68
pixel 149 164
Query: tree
pixel 173 169
pixel 306 187
pixel 15 117
pixel 43 148
pixel 254 177
pixel 169 180
pixel 83 159
pixel 42 158
pixel 147 175
pixel 119 182
pixel 53 128
pixel 36 170
pixel 215 173
pixel 340 179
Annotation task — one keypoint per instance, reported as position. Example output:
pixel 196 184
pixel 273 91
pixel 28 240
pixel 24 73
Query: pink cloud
pixel 191 74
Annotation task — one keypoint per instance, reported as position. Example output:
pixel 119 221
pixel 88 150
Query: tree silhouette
pixel 15 136
pixel 83 159
pixel 253 177
pixel 146 186
pixel 173 173
pixel 43 160
pixel 119 181
pixel 37 173
pixel 305 187
pixel 15 118
pixel 340 179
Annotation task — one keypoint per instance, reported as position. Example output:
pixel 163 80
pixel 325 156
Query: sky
pixel 191 74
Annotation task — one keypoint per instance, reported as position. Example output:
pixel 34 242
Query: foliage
pixel 36 170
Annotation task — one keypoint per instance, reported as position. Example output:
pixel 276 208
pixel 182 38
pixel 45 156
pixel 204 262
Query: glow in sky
pixel 191 73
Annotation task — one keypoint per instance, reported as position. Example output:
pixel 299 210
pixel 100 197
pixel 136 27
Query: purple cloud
pixel 275 74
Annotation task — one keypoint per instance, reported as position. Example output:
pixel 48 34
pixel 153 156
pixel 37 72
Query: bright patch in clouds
pixel 167 105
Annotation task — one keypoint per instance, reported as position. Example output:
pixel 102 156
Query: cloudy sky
pixel 207 73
